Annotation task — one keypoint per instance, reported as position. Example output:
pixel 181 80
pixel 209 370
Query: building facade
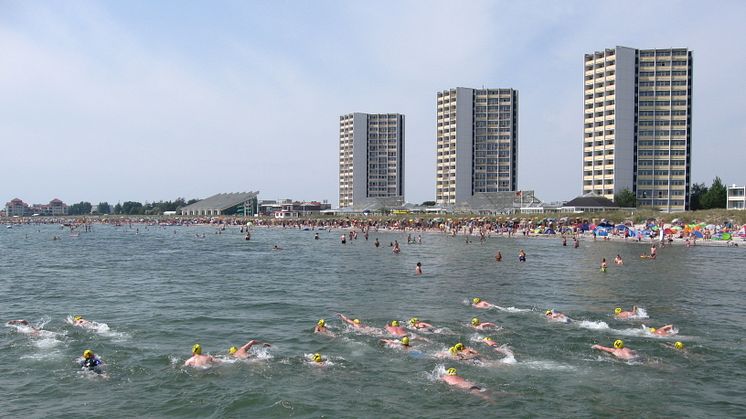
pixel 371 157
pixel 736 197
pixel 477 143
pixel 637 125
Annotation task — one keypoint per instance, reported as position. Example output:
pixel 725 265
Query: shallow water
pixel 161 290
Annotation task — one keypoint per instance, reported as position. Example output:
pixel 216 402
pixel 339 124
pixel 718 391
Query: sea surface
pixel 155 291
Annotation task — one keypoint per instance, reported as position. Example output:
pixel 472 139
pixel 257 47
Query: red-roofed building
pixel 18 208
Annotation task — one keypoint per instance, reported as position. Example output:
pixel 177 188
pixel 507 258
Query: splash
pixel 585 324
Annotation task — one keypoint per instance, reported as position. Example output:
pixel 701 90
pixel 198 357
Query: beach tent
pixel 602 231
pixel 645 233
pixel 633 232
pixel 668 231
pixel 621 227
pixel 605 224
pixel 549 231
pixel 698 234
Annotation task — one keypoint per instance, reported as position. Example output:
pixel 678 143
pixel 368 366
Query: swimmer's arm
pixel 603 348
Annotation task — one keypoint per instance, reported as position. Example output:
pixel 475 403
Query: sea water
pixel 155 291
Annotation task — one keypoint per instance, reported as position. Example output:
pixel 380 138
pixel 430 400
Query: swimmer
pixel 243 352
pixel 316 236
pixel 396 249
pixel 417 324
pixel 81 322
pixel 395 329
pixel 618 350
pixel 679 346
pixel 376 242
pixel 604 265
pixel 402 343
pixel 321 328
pixel 620 314
pixel 618 260
pixel 489 341
pixel 477 302
pixel 199 360
pixel 91 362
pixel 522 256
pixel 317 359
pixel 498 256
pixel 475 323
pixel 418 269
pixel 452 379
pixel 26 327
pixel 357 324
pixel 666 330
pixel 556 316
pixel 462 352
pixel 276 247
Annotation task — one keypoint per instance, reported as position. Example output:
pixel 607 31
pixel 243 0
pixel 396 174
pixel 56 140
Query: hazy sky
pixel 144 101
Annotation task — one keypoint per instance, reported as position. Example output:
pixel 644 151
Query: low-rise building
pixel 17 208
pixel 239 203
pixel 736 197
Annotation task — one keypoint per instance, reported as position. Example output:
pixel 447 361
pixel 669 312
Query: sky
pixel 147 101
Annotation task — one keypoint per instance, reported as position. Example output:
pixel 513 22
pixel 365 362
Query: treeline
pixel 702 196
pixel 129 207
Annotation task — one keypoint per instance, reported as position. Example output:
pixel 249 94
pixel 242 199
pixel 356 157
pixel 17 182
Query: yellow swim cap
pixel 459 346
pixel 414 320
pixel 405 341
pixel 197 349
pixel 474 321
pixel 652 330
pixel 678 345
pixel 452 349
pixel 548 312
pixel 617 310
pixel 476 300
pixel 356 321
pixel 619 344
pixel 232 350
pixel 87 354
pixel 395 323
pixel 321 323
pixel 316 357
pixel 451 371
pixel 76 318
pixel 487 338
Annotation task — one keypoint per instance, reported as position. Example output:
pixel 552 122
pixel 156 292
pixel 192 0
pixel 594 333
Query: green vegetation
pixel 625 199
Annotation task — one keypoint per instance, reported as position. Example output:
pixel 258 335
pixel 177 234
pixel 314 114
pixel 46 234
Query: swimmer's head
pixel 395 323
pixel 476 300
pixel 414 320
pixel 617 310
pixel 87 354
pixel 451 371
pixel 548 313
pixel 459 346
pixel 356 321
pixel 452 350
pixel 652 330
pixel 678 345
pixel 76 318
pixel 619 344
pixel 197 349
pixel 487 339
pixel 316 357
pixel 321 323
pixel 474 321
pixel 405 341
pixel 232 350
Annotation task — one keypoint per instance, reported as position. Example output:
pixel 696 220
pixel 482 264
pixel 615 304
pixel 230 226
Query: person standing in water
pixel 376 242
pixel 498 256
pixel 418 269
pixel 522 256
pixel 604 265
pixel 618 260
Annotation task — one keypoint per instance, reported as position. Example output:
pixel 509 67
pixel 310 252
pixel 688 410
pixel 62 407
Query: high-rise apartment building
pixel 371 157
pixel 477 143
pixel 638 118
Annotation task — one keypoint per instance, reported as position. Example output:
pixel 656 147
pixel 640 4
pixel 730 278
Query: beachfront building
pixel 371 158
pixel 736 197
pixel 55 207
pixel 637 125
pixel 477 143
pixel 239 203
pixel 287 208
pixel 17 208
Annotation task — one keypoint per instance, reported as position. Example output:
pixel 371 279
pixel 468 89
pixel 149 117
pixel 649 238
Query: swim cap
pixel 395 323
pixel 652 330
pixel 316 357
pixel 87 354
pixel 76 318
pixel 487 338
pixel 617 310
pixel 678 345
pixel 197 349
pixel 548 312
pixel 452 349
pixel 619 344
pixel 451 371
pixel 459 346
pixel 474 321
pixel 356 321
pixel 405 341
pixel 232 350
pixel 414 320
pixel 321 323
pixel 476 300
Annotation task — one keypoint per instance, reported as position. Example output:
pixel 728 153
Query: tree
pixel 80 208
pixel 716 196
pixel 428 204
pixel 103 208
pixel 698 190
pixel 132 207
pixel 625 199
pixel 118 208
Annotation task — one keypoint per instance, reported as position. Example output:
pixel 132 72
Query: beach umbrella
pixel 668 231
pixel 549 231
pixel 646 232
pixel 698 234
pixel 633 232
pixel 677 228
pixel 602 232
pixel 727 236
pixel 621 227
